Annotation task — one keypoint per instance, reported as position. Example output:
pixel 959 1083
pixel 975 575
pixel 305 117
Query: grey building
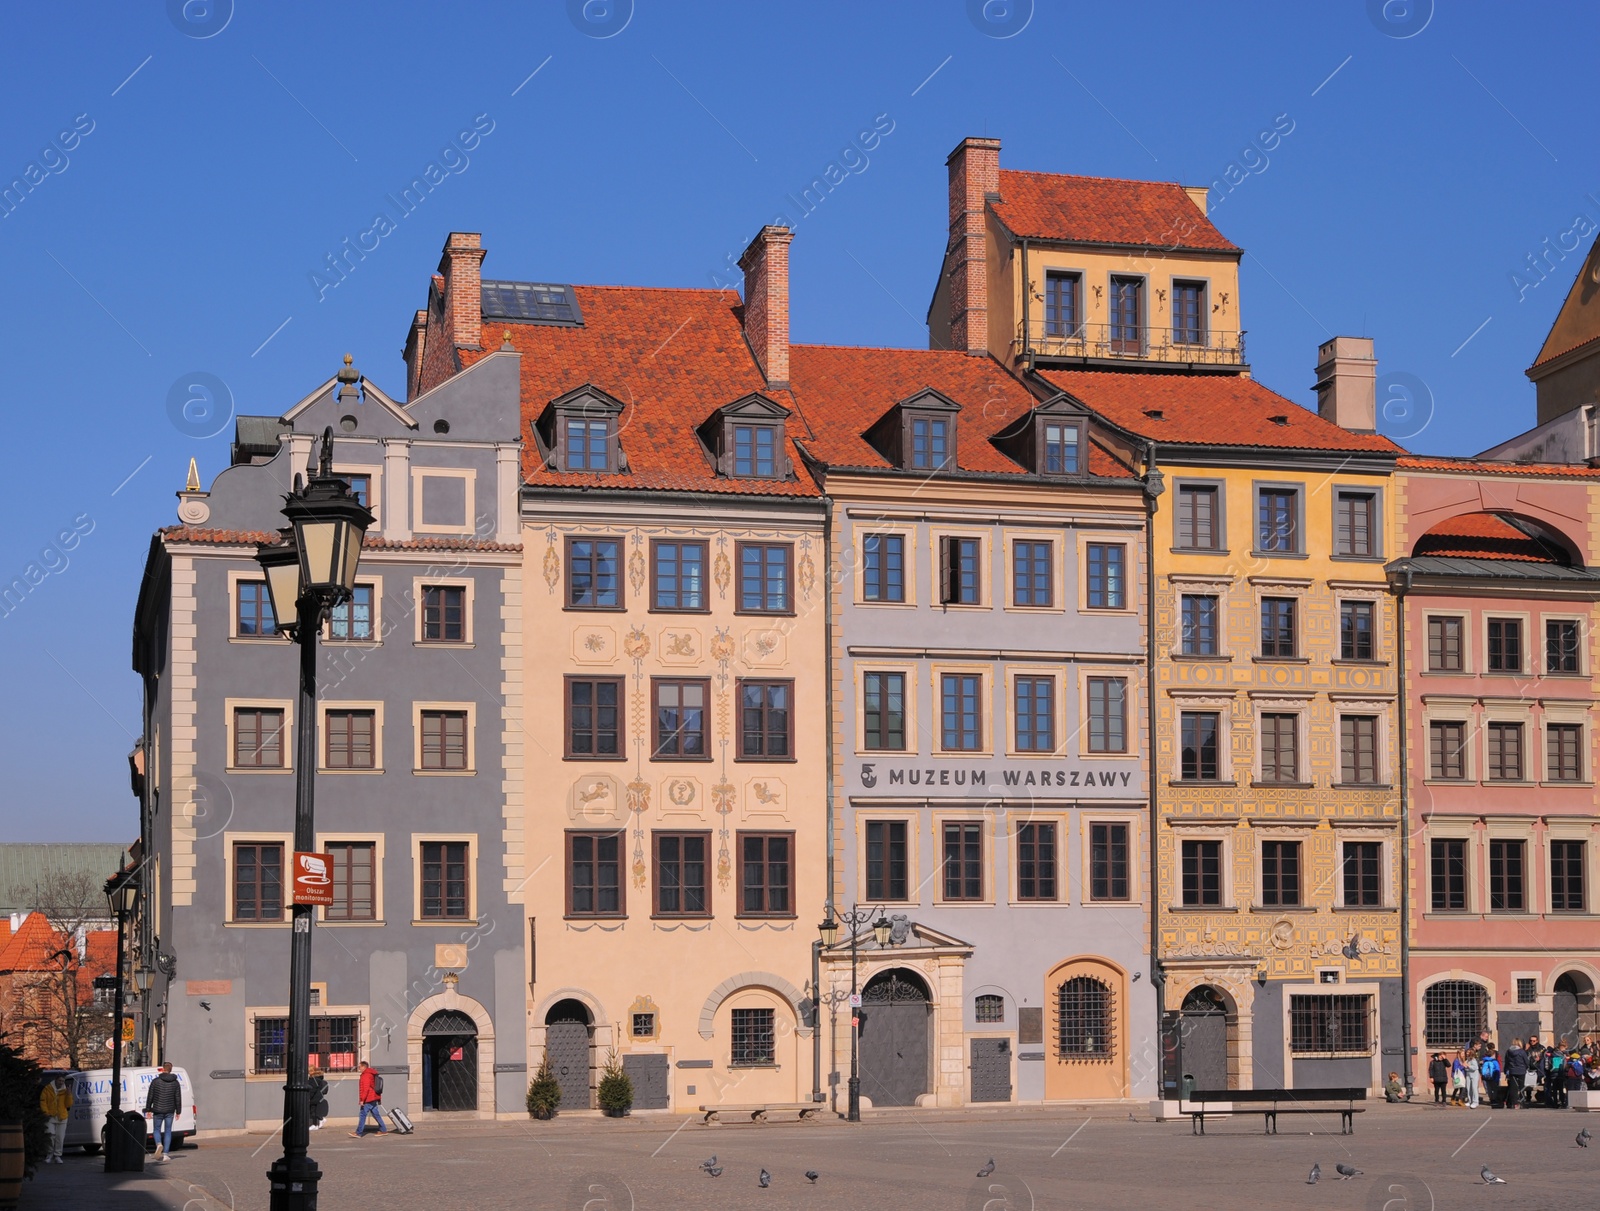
pixel 419 965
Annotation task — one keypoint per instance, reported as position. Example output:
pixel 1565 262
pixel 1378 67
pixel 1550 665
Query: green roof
pixel 27 867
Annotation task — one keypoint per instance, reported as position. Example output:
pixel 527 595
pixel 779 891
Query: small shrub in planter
pixel 544 1093
pixel 616 1089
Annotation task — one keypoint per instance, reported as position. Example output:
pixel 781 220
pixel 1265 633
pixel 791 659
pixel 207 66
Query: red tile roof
pixel 1552 354
pixel 843 391
pixel 31 946
pixel 672 357
pixel 242 538
pixel 1483 536
pixel 1209 410
pixel 1104 210
pixel 1474 466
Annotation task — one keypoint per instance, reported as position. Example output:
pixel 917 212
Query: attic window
pixel 1060 445
pixel 755 451
pixel 745 439
pixel 931 442
pixel 585 443
pixel 578 432
pixel 1155 414
pixel 1279 420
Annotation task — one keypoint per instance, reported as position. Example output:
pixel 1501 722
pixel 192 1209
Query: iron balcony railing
pixel 1051 339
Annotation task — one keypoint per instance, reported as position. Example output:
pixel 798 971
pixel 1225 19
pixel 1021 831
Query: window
pixel 1561 640
pixel 1358 749
pixel 755 450
pixel 643 1026
pixel 1447 749
pixel 930 442
pixel 1202 874
pixel 1363 874
pixel 445 894
pixel 258 881
pixel 1278 520
pixel 679 572
pixel 1107 586
pixel 1108 715
pixel 1030 574
pixel 1447 862
pixel 1036 861
pixel 1504 742
pixel 1444 645
pixel 680 713
pixel 1280 873
pixel 1505 645
pixel 254 618
pixel 1527 991
pixel 764 578
pixel 1355 530
pixel 1277 627
pixel 765 875
pixel 585 442
pixel 1188 313
pixel 1506 875
pixel 963 860
pixel 1108 861
pixel 1127 321
pixel 883 567
pixel 766 720
pixel 1330 1022
pixel 354 886
pixel 989 1007
pixel 883 702
pixel 348 740
pixel 1061 443
pixel 1564 751
pixel 961 716
pixel 1199 625
pixel 1198 528
pixel 257 738
pixel 272 1045
pixel 1061 304
pixel 959 572
pixel 594 717
pixel 352 620
pixel 594 875
pixel 1566 876
pixel 594 573
pixel 1355 630
pixel 1280 757
pixel 1199 758
pixel 333 1044
pixel 444 614
pixel 1454 1014
pixel 753 1038
pixel 444 740
pixel 1034 714
pixel 887 859
pixel 1085 1018
pixel 681 888
pixel 360 487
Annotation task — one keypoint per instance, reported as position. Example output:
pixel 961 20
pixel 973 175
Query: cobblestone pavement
pixel 1413 1158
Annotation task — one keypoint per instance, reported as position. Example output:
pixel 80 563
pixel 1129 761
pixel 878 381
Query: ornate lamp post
pixel 311 569
pixel 143 978
pixel 829 930
pixel 122 893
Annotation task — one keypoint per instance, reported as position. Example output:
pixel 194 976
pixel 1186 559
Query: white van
pixel 91 1092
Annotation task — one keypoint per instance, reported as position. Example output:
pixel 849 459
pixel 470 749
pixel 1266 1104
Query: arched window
pixel 989 1007
pixel 1454 1013
pixel 1084 1019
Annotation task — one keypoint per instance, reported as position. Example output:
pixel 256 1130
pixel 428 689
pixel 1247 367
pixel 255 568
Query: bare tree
pixel 53 1007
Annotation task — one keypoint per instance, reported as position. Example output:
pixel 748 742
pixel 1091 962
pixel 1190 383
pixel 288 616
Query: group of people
pixel 162 1102
pixel 1527 1074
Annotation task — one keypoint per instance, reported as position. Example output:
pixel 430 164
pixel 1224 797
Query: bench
pixel 758 1111
pixel 1270 1103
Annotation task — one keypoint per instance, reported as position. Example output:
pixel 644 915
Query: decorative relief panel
pixel 766 796
pixel 766 647
pixel 682 796
pixel 596 799
pixel 594 645
pixel 680 647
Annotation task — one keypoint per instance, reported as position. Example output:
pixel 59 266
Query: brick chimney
pixel 766 302
pixel 462 267
pixel 416 346
pixel 974 175
pixel 1347 381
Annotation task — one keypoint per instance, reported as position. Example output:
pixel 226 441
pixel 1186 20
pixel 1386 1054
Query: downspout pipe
pixel 1027 289
pixel 1402 586
pixel 1154 486
pixel 828 591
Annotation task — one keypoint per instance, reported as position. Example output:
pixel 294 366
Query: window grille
pixel 753 1041
pixel 1455 1013
pixel 1085 1019
pixel 990 1007
pixel 1336 1022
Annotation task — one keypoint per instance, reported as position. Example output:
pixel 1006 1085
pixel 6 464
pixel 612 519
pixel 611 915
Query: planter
pixel 12 1164
pixel 618 1113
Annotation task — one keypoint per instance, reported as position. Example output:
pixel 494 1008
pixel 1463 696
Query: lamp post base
pixel 294 1184
pixel 854 1115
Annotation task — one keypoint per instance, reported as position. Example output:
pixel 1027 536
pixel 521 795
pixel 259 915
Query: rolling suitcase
pixel 401 1121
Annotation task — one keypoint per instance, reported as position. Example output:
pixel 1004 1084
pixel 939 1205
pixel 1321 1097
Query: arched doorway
pixel 1572 1008
pixel 568 1041
pixel 1203 1038
pixel 450 1062
pixel 1086 1040
pixel 896 1027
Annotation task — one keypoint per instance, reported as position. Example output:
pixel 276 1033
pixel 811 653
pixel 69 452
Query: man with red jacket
pixel 370 1094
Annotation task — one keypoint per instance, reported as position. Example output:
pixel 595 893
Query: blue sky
pixel 180 234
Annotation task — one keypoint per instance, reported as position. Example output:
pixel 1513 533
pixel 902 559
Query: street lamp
pixel 310 569
pixel 122 893
pixel 829 931
pixel 143 978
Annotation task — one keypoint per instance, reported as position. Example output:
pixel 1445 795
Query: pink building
pixel 1498 612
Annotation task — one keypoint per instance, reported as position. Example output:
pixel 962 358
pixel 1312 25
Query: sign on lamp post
pixel 313 878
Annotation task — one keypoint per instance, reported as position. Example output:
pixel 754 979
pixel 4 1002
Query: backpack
pixel 1557 1062
pixel 1490 1067
pixel 377 1084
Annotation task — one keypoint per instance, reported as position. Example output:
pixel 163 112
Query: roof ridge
pixel 1088 176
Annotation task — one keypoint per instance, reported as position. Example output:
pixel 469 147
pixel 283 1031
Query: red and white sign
pixel 313 878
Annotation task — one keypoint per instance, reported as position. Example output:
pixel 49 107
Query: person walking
pixel 370 1094
pixel 319 1098
pixel 1471 1065
pixel 1439 1074
pixel 162 1102
pixel 56 1102
pixel 1489 1071
pixel 1516 1066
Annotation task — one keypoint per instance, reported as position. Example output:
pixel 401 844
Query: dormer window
pixel 585 444
pixel 930 442
pixel 918 433
pixel 755 451
pixel 745 439
pixel 578 432
pixel 1059 447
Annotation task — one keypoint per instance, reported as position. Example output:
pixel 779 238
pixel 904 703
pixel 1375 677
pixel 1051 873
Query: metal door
pixel 1564 1019
pixel 991 1070
pixel 1514 1024
pixel 649 1076
pixel 455 1072
pixel 568 1045
pixel 1205 1047
pixel 895 1021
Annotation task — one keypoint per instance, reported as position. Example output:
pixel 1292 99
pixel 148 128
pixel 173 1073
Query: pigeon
pixel 765 1179
pixel 710 1162
pixel 987 1169
pixel 1346 1172
pixel 1583 1138
pixel 1489 1179
pixel 812 1175
pixel 1316 1172
pixel 714 1171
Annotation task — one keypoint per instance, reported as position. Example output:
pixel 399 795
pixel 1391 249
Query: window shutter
pixel 947 570
pixel 1188 510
